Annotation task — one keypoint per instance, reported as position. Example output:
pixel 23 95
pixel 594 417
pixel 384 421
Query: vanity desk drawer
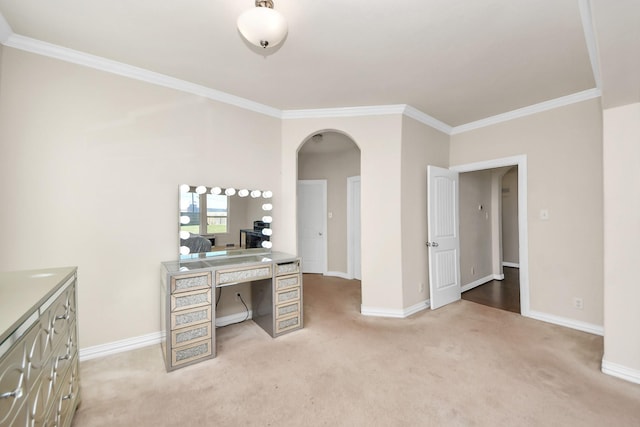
pixel 191 352
pixel 285 282
pixel 288 323
pixel 288 268
pixel 284 310
pixel 191 334
pixel 243 274
pixel 190 282
pixel 185 300
pixel 184 318
pixel 287 295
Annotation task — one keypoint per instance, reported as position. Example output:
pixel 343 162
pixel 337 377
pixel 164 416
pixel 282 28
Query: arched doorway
pixel 328 204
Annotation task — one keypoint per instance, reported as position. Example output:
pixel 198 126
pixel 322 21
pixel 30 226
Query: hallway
pixel 501 294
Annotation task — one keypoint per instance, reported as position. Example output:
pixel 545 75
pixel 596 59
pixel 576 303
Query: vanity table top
pixel 227 261
pixel 22 293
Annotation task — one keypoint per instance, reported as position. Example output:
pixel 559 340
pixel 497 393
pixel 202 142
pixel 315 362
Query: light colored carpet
pixel 462 365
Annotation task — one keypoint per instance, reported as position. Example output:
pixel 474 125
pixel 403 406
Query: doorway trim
pixel 523 231
pixel 353 224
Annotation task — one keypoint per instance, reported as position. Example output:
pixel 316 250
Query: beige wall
pixel 564 161
pixel 89 174
pixel 335 168
pixel 378 138
pixel 476 235
pixel 622 234
pixel 510 246
pixel 421 146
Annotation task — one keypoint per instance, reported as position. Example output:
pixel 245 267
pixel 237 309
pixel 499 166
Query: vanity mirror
pixel 217 221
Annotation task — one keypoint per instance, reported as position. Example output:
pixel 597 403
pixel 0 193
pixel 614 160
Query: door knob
pixel 432 244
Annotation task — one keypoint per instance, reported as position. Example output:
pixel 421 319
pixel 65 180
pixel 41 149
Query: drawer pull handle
pixel 63 316
pixel 16 394
pixel 68 396
pixel 65 357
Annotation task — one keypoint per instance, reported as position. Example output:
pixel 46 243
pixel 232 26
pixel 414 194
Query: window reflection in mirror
pixel 216 221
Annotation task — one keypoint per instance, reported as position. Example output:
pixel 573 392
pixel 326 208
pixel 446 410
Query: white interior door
pixel 444 239
pixel 312 225
pixel 353 227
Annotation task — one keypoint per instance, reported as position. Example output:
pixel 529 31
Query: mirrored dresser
pixel 188 310
pixel 39 367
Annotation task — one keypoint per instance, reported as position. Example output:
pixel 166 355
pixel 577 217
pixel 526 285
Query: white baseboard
pixel 620 371
pixel 338 274
pixel 398 314
pixel 510 264
pixel 478 282
pixel 233 318
pixel 569 323
pixel 146 340
pixel 120 346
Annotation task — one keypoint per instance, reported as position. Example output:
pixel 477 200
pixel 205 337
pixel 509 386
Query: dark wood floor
pixel 502 294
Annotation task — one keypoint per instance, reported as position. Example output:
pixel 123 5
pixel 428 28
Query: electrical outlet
pixel 578 303
pixel 473 271
pixel 421 287
pixel 237 296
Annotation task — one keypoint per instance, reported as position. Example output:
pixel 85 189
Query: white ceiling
pixel 457 61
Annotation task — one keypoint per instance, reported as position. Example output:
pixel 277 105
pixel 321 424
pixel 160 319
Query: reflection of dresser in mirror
pixel 253 238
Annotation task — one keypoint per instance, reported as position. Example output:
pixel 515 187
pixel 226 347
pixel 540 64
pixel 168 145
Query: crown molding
pixel 374 110
pixel 426 119
pixel 590 38
pixel 99 63
pixel 527 111
pixel 8 38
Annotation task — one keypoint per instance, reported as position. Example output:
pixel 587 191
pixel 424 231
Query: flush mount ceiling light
pixel 263 26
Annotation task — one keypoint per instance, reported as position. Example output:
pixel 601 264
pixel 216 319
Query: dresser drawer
pixel 288 295
pixel 184 318
pixel 285 282
pixel 13 385
pixel 191 352
pixel 58 319
pixel 287 323
pixel 288 268
pixel 246 274
pixel 190 282
pixel 185 300
pixel 285 310
pixel 184 336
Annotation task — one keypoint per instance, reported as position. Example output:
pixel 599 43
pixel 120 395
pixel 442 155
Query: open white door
pixel 312 225
pixel 444 240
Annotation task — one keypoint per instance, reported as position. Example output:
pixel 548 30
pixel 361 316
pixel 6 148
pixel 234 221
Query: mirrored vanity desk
pixel 188 308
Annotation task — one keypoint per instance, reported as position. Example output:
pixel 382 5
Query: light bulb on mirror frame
pixel 267 244
pixel 243 193
pixel 256 193
pixel 184 250
pixel 184 219
pixel 201 189
pixel 184 188
pixel 216 190
pixel 230 191
pixel 267 207
pixel 267 218
pixel 184 235
pixel 267 231
pixel 267 194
